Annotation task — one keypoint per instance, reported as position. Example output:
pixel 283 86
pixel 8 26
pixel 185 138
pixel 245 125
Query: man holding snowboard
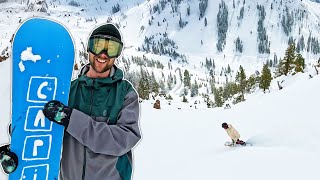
pixel 101 119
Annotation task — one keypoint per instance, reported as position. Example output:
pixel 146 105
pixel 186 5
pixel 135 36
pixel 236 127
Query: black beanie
pixel 107 29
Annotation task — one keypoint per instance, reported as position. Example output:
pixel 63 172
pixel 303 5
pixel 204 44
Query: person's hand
pixel 57 112
pixel 8 159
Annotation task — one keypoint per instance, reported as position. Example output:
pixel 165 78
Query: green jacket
pixel 103 129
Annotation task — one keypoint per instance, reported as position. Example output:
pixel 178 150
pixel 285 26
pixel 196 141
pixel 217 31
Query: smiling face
pixel 100 65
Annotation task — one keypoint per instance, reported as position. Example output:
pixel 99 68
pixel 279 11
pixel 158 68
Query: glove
pixel 8 159
pixel 57 112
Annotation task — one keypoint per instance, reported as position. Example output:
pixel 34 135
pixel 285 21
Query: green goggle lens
pixel 100 44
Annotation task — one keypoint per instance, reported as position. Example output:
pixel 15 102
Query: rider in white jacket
pixel 233 133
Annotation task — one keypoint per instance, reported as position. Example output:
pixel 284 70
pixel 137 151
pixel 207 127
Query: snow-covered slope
pixel 188 143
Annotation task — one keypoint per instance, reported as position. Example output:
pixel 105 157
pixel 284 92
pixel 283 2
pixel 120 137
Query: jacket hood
pixel 116 74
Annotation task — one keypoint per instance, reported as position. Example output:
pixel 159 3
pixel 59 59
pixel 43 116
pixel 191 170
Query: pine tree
pixel 143 87
pixel 228 69
pixel 299 63
pixel 186 79
pixel 203 4
pixel 184 99
pixel 222 25
pixel 213 64
pixel 286 64
pixel 265 78
pixel 251 82
pixel 188 10
pixel 278 71
pixel 154 84
pixel 162 85
pixel 218 101
pixel 180 75
pixel 239 45
pixel 194 89
pixel 241 79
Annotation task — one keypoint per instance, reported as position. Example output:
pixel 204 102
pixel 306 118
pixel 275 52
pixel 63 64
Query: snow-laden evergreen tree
pixel 170 81
pixel 309 43
pixel 299 63
pixel 144 85
pixel 241 13
pixel 229 89
pixel 186 79
pixel 291 40
pixel 194 89
pixel 182 23
pixel 313 45
pixel 222 25
pixel 251 83
pixel 275 60
pixel 287 21
pixel 241 79
pixel 184 99
pixel 37 5
pixel 263 40
pixel 286 65
pixel 154 84
pixel 228 69
pixel 162 85
pixel 116 8
pixel 74 3
pixel 300 45
pixel 188 10
pixel 239 45
pixel 203 4
pixel 265 78
pixel 218 99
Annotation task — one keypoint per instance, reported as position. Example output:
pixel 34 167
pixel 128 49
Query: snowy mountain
pixel 140 19
pixel 195 40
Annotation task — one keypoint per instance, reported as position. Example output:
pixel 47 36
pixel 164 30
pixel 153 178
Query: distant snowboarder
pixel 233 134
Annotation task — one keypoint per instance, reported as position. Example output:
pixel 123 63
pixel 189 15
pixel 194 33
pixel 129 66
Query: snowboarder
pixel 233 134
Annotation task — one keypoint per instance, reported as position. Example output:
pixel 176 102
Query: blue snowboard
pixel 43 58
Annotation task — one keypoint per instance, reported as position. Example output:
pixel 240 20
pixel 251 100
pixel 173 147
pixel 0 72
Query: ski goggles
pixel 109 45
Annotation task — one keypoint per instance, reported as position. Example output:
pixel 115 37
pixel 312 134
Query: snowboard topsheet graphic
pixel 43 57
